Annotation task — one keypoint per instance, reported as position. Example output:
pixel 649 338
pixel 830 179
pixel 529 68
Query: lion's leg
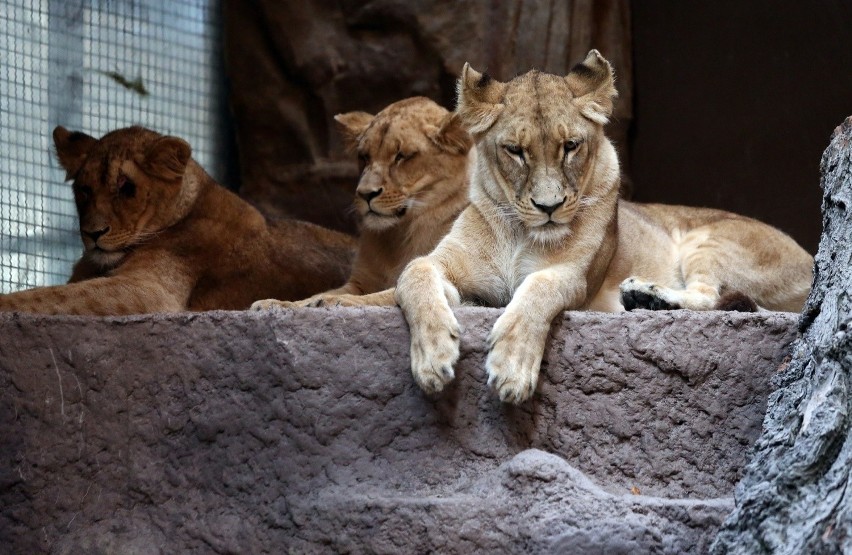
pixel 316 300
pixel 695 281
pixel 380 298
pixel 136 292
pixel 698 294
pixel 517 340
pixel 728 264
pixel 425 295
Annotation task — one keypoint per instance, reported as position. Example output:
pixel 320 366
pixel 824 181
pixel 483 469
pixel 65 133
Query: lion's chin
pixel 549 233
pixel 103 258
pixel 379 222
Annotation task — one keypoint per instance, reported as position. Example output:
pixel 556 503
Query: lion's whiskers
pixel 587 202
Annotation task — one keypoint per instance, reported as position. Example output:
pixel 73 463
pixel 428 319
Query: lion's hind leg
pixel 638 293
pixel 714 270
pixel 696 295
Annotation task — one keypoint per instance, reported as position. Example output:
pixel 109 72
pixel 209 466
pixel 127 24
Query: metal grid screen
pixel 93 66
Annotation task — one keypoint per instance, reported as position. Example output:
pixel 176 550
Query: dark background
pixel 734 103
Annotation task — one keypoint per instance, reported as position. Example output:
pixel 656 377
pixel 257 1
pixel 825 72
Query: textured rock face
pixel 293 65
pixel 262 432
pixel 795 495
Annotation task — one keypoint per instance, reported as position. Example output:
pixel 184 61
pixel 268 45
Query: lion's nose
pixel 549 208
pixel 94 235
pixel 370 195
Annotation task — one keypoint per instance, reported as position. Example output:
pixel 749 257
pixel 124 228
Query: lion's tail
pixel 735 301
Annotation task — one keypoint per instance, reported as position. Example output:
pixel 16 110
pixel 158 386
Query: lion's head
pixel 127 186
pixel 537 139
pixel 404 151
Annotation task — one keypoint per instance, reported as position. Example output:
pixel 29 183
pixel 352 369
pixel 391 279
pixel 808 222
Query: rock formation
pixel 293 65
pixel 795 495
pixel 241 432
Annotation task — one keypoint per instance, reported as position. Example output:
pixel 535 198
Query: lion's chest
pixel 510 266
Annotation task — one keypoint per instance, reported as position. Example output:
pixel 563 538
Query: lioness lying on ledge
pixel 546 232
pixel 161 236
pixel 413 185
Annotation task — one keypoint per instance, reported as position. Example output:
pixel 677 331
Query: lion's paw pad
pixel 639 294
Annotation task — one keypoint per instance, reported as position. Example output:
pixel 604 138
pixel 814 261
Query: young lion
pixel 545 232
pixel 161 236
pixel 413 185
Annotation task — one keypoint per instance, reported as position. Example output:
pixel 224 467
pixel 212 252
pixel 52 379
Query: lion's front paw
pixel 270 304
pixel 335 300
pixel 434 351
pixel 514 357
pixel 636 293
pixel 310 302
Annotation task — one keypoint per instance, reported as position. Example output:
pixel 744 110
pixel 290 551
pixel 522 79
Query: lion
pixel 546 232
pixel 413 158
pixel 160 235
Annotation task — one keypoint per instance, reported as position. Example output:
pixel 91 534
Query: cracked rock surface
pixel 242 432
pixel 795 496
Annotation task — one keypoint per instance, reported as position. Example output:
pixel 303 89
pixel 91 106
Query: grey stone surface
pixel 795 495
pixel 237 432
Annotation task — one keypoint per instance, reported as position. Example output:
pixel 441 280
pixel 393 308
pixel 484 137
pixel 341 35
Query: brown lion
pixel 546 232
pixel 160 235
pixel 414 158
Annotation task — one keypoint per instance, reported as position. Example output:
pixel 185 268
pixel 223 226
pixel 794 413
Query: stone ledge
pixel 254 432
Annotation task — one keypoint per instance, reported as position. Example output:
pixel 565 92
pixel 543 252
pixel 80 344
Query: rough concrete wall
pixel 235 432
pixel 292 65
pixel 795 495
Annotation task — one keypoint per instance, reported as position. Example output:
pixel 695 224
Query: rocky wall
pixel 292 65
pixel 795 495
pixel 303 432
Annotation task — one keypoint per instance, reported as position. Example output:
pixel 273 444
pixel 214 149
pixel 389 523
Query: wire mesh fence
pixel 94 66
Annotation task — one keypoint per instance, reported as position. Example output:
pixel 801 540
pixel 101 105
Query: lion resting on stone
pixel 160 235
pixel 546 232
pixel 413 185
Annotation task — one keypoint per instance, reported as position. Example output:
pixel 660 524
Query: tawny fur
pixel 546 232
pixel 160 235
pixel 413 185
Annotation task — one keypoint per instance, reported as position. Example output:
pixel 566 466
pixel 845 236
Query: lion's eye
pixel 84 192
pixel 126 188
pixel 363 160
pixel 571 145
pixel 515 150
pixel 402 157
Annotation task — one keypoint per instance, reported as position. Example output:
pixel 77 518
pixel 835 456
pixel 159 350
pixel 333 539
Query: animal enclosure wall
pixel 735 102
pixel 93 65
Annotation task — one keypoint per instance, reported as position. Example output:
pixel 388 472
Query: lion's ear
pixel 72 147
pixel 353 125
pixel 479 100
pixel 166 158
pixel 593 83
pixel 450 135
